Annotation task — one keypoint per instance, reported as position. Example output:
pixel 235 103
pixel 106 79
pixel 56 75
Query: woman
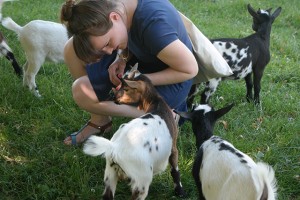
pixel 148 31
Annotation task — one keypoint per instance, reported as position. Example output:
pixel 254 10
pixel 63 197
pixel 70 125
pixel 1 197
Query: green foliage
pixel 34 163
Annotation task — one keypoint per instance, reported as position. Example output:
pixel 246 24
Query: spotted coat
pixel 245 56
pixel 221 171
pixel 142 147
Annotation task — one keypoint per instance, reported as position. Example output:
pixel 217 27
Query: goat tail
pixel 267 174
pixel 96 146
pixel 11 25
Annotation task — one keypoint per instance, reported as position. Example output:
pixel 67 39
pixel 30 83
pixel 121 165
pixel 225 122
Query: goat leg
pixel 210 89
pixel 173 160
pixel 205 94
pixel 192 93
pixel 249 87
pixel 196 172
pixel 110 181
pixel 10 56
pixel 108 195
pixel 257 78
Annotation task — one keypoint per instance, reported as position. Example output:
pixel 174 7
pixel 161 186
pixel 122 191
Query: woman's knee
pixel 83 92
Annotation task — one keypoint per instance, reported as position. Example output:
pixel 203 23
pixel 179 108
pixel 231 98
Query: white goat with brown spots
pixel 142 147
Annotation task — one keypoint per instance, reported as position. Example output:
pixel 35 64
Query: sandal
pixel 102 129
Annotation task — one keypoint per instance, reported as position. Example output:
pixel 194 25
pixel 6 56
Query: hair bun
pixel 66 11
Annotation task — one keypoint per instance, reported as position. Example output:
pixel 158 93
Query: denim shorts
pixel 175 94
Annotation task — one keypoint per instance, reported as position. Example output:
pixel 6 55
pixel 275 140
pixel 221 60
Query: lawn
pixel 34 163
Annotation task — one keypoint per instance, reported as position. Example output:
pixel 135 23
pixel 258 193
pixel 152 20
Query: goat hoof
pixel 180 192
pixel 249 99
pixel 36 93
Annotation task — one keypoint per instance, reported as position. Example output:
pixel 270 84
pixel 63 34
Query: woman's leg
pixel 86 98
pixel 91 93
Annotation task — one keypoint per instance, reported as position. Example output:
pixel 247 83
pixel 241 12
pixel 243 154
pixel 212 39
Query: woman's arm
pixel 181 61
pixel 75 65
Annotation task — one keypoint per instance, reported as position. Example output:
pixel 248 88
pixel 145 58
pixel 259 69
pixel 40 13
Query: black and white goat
pixel 244 56
pixel 5 50
pixel 41 40
pixel 221 171
pixel 142 147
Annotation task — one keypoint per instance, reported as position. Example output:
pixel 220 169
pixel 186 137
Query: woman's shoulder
pixel 154 9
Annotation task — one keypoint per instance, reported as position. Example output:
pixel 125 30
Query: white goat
pixel 245 56
pixel 41 41
pixel 142 147
pixel 221 171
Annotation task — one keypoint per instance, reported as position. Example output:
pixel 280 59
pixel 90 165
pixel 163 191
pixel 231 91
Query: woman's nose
pixel 108 50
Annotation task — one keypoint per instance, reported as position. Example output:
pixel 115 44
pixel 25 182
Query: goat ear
pixel 276 13
pixel 131 74
pixel 219 113
pixel 133 84
pixel 135 67
pixel 134 72
pixel 252 11
pixel 185 115
pixel 269 10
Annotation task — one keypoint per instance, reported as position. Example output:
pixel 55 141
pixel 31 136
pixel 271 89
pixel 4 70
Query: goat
pixel 142 147
pixel 41 41
pixel 5 50
pixel 222 172
pixel 244 56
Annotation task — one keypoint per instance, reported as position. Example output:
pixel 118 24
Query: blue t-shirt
pixel 155 24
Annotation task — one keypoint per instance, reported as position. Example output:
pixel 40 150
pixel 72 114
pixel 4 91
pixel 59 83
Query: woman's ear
pixel 114 16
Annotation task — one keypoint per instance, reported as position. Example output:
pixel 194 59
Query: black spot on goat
pixel 219 168
pixel 245 56
pixel 143 147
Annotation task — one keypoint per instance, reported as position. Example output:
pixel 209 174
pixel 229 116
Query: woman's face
pixel 115 38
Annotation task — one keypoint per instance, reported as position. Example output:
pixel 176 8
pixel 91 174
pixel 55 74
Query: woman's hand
pixel 116 70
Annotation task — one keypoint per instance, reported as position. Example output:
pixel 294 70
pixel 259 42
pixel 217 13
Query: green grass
pixel 34 163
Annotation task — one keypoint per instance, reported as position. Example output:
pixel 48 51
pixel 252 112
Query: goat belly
pixel 226 174
pixel 143 141
pixel 237 55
